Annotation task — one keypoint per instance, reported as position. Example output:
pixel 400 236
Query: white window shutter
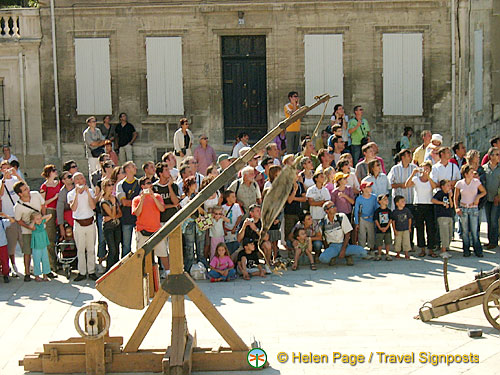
pixel 478 70
pixel 393 73
pixel 402 74
pixel 164 75
pixel 324 70
pixel 93 76
pixel 412 75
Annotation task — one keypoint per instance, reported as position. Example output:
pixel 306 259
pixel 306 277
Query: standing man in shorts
pixel 169 191
pixel 293 130
pixel 29 202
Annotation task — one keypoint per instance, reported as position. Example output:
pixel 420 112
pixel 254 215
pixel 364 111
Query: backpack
pixel 398 146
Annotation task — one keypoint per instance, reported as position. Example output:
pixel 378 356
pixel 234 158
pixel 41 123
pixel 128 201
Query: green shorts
pixel 382 239
pixel 26 244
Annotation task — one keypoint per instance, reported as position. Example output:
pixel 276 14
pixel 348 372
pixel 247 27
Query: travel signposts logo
pixel 256 358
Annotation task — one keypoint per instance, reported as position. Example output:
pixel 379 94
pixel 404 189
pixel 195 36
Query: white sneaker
pixel 268 269
pixel 445 255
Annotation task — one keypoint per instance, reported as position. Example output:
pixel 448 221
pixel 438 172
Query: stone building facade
pixel 20 98
pixel 265 46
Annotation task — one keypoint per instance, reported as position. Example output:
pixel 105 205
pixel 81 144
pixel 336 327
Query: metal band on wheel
pixel 99 309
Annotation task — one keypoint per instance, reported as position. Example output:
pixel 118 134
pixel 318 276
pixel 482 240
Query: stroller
pixel 66 251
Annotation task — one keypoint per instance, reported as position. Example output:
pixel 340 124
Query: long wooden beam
pixel 226 176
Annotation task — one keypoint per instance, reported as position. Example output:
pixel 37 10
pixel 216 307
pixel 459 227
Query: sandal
pixel 432 254
pixel 313 267
pixel 295 267
pixel 422 254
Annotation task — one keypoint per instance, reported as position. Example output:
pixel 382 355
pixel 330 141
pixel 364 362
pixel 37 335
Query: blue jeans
pixel 333 251
pixel 101 247
pixel 356 153
pixel 127 230
pixel 317 246
pixel 216 275
pixel 193 237
pixel 470 235
pixel 492 214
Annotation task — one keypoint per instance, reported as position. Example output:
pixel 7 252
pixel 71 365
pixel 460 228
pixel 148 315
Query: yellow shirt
pixel 419 154
pixel 294 127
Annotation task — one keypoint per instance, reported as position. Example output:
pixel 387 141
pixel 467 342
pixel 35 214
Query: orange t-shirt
pixel 295 126
pixel 149 219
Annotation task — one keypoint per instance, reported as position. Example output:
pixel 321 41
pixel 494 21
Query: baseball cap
pixel 365 184
pixel 222 157
pixel 327 205
pixel 247 241
pixel 339 175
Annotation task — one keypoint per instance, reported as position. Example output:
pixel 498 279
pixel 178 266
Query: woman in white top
pixel 470 190
pixel 183 141
pixel 423 186
pixel 307 172
pixel 381 184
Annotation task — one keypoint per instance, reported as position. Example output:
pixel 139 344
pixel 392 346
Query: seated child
pixel 302 245
pixel 248 260
pixel 382 218
pixel 39 243
pixel 4 253
pixel 443 209
pixel 222 265
pixel 401 223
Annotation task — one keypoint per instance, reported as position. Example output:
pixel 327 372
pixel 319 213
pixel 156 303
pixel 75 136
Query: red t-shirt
pixel 51 192
pixel 149 219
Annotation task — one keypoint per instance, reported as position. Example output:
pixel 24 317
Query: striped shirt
pixel 399 175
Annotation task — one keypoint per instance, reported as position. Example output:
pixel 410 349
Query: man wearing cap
pixel 336 231
pixel 204 155
pixel 244 137
pixel 419 154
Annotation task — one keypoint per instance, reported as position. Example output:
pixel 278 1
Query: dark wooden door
pixel 244 86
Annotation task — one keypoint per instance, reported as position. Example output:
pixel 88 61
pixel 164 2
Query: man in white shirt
pixel 82 202
pixel 244 137
pixel 9 198
pixel 29 202
pixel 444 170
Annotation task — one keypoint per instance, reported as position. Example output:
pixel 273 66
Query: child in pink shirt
pixel 222 265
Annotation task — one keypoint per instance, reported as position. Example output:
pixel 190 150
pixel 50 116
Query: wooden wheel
pixel 491 304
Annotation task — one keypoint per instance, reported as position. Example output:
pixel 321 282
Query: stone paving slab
pixel 358 310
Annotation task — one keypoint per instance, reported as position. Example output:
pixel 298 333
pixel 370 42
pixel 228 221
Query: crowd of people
pixel 345 201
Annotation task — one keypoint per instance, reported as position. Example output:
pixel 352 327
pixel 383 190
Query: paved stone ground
pixel 353 310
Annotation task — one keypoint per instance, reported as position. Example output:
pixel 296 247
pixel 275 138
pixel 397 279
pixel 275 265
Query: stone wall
pixel 201 25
